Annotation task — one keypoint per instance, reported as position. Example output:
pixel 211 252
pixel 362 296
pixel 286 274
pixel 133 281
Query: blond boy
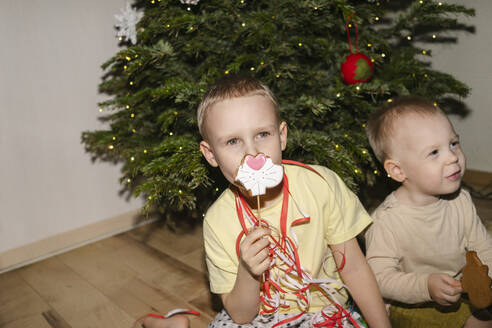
pixel 417 243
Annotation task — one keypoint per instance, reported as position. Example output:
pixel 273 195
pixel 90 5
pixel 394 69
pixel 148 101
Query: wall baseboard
pixel 39 250
pixel 478 178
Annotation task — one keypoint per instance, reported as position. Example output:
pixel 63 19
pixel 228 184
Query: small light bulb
pixel 100 110
pixel 131 82
pixel 128 180
pixel 226 72
pixel 251 68
pixel 170 133
pixel 338 94
pixel 300 44
pixel 357 88
pixel 409 38
pixel 127 106
pixel 337 146
pixel 243 24
pixel 434 36
pixel 133 130
pixel 376 172
pixel 132 158
pixel 145 151
pixel 376 18
pixel 132 115
pixel 110 147
pixel 424 52
pixel 114 138
pixel 383 55
pixel 369 45
pixel 389 100
pixel 180 191
pixel 128 58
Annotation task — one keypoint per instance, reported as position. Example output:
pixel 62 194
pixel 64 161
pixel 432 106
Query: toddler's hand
pixel 444 289
pixel 254 251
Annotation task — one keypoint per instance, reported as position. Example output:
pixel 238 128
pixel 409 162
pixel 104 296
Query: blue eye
pixel 263 134
pixel 232 141
pixel 455 143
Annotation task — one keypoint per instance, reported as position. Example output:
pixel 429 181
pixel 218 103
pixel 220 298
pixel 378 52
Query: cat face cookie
pixel 257 173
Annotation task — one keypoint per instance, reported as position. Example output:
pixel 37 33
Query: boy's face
pixel 429 155
pixel 239 126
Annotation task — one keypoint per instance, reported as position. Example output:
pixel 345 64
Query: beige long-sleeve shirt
pixel 406 244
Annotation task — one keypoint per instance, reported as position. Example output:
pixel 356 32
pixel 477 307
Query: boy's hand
pixel 444 289
pixel 254 251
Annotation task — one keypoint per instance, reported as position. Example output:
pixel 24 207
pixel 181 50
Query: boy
pixel 239 116
pixel 416 246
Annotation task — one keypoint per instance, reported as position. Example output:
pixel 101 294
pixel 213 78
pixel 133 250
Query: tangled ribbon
pixel 290 277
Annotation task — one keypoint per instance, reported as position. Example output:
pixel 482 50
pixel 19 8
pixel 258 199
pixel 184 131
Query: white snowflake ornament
pixel 189 2
pixel 126 23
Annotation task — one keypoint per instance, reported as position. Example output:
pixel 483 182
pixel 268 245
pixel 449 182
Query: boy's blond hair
pixel 382 123
pixel 232 86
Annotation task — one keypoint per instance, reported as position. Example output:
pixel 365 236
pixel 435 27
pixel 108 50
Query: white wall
pixel 470 62
pixel 49 72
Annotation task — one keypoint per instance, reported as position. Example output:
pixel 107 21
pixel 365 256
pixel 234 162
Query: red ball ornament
pixel 357 68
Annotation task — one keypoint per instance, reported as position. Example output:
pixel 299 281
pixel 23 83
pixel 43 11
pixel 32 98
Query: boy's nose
pixel 251 148
pixel 452 157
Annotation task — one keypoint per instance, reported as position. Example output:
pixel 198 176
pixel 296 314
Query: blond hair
pixel 232 86
pixel 382 123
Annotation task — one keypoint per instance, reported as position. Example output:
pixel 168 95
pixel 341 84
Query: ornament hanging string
pixel 356 34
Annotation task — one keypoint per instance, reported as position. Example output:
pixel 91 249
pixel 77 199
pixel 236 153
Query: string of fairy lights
pixel 375 58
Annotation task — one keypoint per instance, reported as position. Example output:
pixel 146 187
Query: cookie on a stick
pixel 257 173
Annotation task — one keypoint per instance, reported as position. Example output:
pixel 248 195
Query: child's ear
pixel 283 135
pixel 394 170
pixel 208 153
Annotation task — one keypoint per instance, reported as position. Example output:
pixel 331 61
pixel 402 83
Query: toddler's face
pixel 429 153
pixel 239 126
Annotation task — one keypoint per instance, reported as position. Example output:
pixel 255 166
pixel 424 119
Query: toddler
pixel 416 246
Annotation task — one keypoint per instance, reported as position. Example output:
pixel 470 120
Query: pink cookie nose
pixel 257 162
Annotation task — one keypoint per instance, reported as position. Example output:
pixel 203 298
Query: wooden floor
pixel 112 282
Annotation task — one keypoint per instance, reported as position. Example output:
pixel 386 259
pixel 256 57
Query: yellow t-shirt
pixel 336 215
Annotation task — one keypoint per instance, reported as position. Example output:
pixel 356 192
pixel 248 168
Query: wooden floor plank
pixel 32 321
pixel 101 265
pixel 18 301
pixel 78 302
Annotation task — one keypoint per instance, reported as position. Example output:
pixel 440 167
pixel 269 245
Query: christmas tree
pixel 297 48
